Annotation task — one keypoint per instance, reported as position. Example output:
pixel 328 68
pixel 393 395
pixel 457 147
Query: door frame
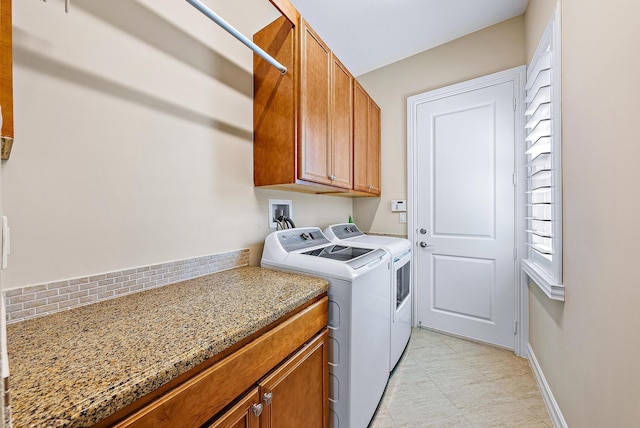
pixel 517 76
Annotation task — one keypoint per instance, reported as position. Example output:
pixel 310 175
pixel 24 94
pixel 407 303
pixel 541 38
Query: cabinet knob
pixel 332 177
pixel 257 409
pixel 267 397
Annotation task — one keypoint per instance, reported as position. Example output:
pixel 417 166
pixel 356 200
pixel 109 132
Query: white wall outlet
pixel 277 208
pixel 398 205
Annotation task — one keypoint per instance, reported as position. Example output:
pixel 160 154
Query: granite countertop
pixel 77 367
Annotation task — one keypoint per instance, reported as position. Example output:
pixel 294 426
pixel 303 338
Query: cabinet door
pixel 299 389
pixel 6 78
pixel 315 75
pixel 373 151
pixel 245 414
pixel 366 143
pixel 341 124
pixel 360 139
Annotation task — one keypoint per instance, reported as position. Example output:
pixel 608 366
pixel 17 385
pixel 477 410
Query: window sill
pixel 547 284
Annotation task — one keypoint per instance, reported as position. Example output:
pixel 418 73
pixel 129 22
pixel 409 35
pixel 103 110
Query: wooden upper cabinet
pixel 315 108
pixel 366 143
pixel 341 124
pixel 302 119
pixel 6 77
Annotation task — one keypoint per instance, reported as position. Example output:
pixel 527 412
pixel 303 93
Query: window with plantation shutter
pixel 543 259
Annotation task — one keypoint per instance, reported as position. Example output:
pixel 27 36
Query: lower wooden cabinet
pixel 278 379
pixel 294 395
pixel 245 414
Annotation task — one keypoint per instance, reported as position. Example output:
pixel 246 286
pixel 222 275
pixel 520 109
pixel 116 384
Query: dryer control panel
pixel 346 230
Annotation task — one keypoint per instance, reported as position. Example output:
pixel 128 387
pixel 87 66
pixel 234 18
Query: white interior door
pixel 464 211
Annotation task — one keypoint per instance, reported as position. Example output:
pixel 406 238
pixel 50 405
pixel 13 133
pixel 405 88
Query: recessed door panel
pixel 464 286
pixel 464 171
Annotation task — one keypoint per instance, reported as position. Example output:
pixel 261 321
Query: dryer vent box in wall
pixel 277 208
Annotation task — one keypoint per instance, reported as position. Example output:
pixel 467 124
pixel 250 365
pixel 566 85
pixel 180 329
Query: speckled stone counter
pixel 77 367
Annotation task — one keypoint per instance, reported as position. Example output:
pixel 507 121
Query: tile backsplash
pixel 43 299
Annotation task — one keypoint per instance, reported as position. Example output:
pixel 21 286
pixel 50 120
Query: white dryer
pixel 401 288
pixel 359 318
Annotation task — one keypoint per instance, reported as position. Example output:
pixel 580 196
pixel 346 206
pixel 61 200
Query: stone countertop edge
pixel 78 367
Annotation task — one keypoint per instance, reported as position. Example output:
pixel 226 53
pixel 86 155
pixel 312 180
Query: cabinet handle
pixel 267 398
pixel 257 409
pixel 332 177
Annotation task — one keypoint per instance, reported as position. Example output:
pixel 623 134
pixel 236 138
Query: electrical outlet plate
pixel 278 207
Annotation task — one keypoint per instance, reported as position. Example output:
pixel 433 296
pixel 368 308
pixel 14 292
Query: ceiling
pixel 369 34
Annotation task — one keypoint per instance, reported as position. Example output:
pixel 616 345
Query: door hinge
pixel 515 253
pixel 515 326
pixel 514 104
pixel 514 179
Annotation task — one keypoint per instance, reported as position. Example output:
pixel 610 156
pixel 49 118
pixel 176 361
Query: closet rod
pixel 235 33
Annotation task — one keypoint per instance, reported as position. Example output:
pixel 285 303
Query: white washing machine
pixel 401 288
pixel 359 318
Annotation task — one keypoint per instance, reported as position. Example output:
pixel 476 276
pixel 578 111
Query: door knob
pixel 424 244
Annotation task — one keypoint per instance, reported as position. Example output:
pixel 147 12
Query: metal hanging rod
pixel 66 5
pixel 235 33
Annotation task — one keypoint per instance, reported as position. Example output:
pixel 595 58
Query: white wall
pixel 588 346
pixel 133 122
pixel 493 49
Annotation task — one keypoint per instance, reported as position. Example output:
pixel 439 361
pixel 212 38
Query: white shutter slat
pixel 542 249
pixel 543 63
pixel 541 80
pixel 539 233
pixel 541 97
pixel 542 129
pixel 542 146
pixel 539 159
pixel 541 173
pixel 543 112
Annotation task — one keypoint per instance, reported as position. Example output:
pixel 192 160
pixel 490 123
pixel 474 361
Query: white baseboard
pixel 547 395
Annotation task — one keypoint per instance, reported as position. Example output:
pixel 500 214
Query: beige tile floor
pixel 443 381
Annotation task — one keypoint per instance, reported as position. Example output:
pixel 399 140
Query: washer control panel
pixel 301 238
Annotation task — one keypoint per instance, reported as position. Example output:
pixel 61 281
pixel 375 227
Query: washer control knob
pixel 305 236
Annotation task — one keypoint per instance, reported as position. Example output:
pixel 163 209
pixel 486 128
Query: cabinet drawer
pixel 194 402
